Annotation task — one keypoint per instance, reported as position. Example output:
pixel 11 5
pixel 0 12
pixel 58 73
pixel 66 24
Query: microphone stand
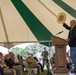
pixel 59 33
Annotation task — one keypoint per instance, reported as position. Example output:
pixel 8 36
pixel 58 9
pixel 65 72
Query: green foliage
pixel 32 48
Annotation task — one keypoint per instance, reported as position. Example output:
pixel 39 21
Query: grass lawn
pixel 43 73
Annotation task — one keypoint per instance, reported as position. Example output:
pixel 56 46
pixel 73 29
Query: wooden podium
pixel 60 54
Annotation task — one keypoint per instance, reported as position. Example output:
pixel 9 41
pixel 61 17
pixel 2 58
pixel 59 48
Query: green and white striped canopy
pixel 24 21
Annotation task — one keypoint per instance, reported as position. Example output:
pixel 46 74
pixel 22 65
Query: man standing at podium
pixel 72 41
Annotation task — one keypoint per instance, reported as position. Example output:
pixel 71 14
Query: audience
pixel 11 65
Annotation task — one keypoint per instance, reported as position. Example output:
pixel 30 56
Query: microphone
pixel 59 33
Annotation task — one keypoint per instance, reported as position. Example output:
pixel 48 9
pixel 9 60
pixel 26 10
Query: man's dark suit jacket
pixel 72 35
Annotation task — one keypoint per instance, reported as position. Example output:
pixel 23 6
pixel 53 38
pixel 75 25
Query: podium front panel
pixel 60 56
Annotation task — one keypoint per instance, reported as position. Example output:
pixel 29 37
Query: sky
pixel 3 50
pixel 23 45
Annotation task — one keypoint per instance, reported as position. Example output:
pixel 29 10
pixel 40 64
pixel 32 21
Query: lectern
pixel 60 54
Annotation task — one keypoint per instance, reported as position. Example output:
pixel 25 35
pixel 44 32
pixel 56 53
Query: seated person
pixel 68 61
pixel 13 59
pixel 6 70
pixel 11 66
pixel 1 70
pixel 37 61
pixel 32 63
pixel 20 59
pixel 52 61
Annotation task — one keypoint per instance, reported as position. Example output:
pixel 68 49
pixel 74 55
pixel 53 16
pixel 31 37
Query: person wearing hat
pixel 72 41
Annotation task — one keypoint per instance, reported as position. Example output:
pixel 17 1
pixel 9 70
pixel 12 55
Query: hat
pixel 61 18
